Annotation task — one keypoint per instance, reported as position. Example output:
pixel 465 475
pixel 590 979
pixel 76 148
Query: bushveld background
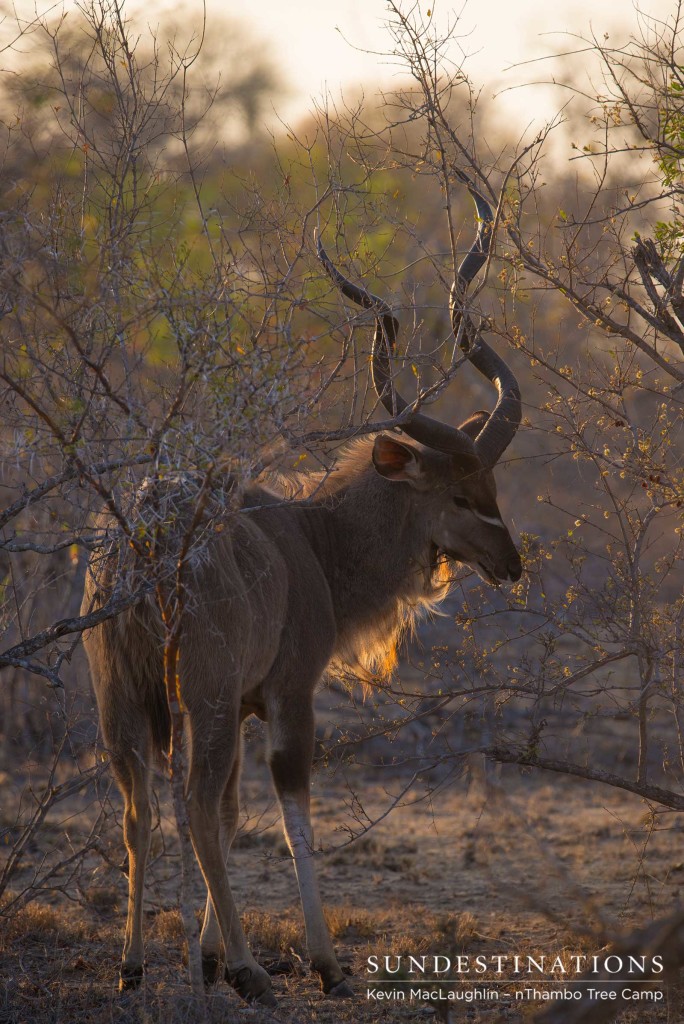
pixel 515 786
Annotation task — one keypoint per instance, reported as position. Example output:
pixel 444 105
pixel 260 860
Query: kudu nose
pixel 514 568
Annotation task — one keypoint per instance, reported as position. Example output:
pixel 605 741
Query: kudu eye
pixel 460 502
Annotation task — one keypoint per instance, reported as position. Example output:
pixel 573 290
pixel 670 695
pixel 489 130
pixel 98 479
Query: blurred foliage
pixel 142 261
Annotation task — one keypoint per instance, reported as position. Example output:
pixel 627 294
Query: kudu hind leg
pixel 132 775
pixel 292 744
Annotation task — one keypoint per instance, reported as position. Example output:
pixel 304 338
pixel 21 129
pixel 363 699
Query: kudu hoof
pixel 211 969
pixel 342 990
pixel 130 977
pixel 252 987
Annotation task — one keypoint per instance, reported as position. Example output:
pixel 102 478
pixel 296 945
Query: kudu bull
pixel 291 585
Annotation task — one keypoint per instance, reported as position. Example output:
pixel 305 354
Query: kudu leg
pixel 133 779
pixel 210 939
pixel 210 769
pixel 292 744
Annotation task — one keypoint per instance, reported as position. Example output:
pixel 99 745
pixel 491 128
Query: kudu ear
pixel 397 461
pixel 474 424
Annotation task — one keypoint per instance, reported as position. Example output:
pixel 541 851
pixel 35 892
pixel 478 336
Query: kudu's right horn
pixel 503 421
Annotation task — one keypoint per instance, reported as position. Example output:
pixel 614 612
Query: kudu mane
pixel 371 523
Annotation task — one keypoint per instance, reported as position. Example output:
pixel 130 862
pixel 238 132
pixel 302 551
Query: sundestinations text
pixel 439 964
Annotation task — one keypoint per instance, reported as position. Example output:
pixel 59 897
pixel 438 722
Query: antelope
pixel 291 587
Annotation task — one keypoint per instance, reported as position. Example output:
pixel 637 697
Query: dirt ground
pixel 492 863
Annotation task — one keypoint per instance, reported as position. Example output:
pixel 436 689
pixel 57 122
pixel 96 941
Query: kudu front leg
pixel 210 771
pixel 290 762
pixel 211 941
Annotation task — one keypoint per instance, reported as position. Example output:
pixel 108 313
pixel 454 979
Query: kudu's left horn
pixel 503 421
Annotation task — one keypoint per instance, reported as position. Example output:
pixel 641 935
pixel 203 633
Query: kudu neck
pixel 381 552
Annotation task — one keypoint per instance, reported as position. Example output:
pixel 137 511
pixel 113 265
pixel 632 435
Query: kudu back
pixel 286 589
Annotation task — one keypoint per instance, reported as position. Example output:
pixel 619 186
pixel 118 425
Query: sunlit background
pixel 338 47
pixel 167 331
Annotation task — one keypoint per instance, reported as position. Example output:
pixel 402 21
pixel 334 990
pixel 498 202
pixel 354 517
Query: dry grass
pixel 419 884
pixel 168 926
pixel 372 852
pixel 57 966
pixel 271 934
pixel 351 923
pixel 50 926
